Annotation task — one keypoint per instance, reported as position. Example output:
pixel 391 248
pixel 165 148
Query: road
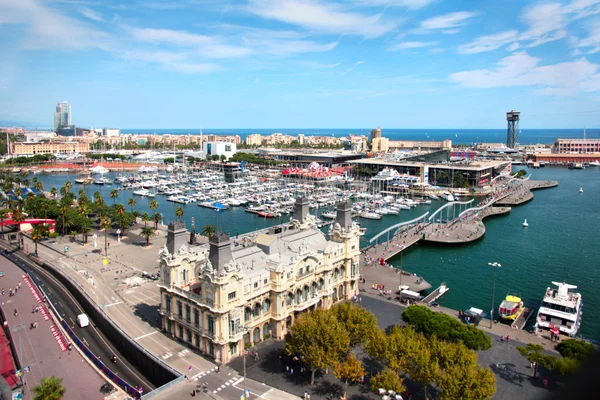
pixel 69 308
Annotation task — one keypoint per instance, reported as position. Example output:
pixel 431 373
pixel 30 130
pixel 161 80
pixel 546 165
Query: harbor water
pixel 560 243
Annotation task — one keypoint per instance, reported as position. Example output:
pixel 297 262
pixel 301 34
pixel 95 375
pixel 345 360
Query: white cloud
pixel 592 40
pixel 323 18
pixel 193 68
pixel 319 65
pixel 488 42
pixel 49 29
pixel 412 45
pixel 447 21
pixel 513 46
pixel 545 22
pixel 169 60
pixel 520 69
pixel 285 47
pixel 359 63
pixel 91 14
pixel 207 46
pixel 410 4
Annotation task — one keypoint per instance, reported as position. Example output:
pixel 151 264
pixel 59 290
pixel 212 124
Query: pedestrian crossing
pixel 34 290
pixel 183 353
pixel 60 339
pixel 203 374
pixel 45 313
pixel 167 355
pixel 223 386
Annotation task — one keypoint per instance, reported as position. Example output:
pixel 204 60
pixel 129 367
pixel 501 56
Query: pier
pixel 436 294
pixel 522 318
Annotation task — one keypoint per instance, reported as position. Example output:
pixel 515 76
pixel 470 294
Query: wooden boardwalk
pixel 436 294
pixel 522 319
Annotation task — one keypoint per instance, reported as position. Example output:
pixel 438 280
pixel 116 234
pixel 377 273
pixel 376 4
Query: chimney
pixel 301 210
pixel 344 214
pixel 220 250
pixel 176 236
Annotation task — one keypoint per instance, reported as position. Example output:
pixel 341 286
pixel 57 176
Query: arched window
pixel 297 297
pixel 256 312
pixel 341 292
pixel 289 299
pixel 305 293
pixel 313 289
pixel 266 306
pixel 184 274
pixel 247 313
pixel 266 330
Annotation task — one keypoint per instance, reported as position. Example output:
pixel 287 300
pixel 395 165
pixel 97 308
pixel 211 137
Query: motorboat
pixel 329 214
pixel 561 310
pixel 447 196
pixel 433 197
pixel 98 170
pixel 525 224
pixel 510 307
pixel 369 215
pixel 595 163
pixel 580 190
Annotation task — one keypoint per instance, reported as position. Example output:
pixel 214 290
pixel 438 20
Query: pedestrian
pixel 193 392
pixel 19 285
pixel 16 312
pixel 287 369
pixel 545 382
pixel 291 371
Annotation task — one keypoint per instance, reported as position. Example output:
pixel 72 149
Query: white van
pixel 83 320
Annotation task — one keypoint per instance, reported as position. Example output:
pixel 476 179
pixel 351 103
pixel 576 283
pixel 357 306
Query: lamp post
pixel 495 266
pixel 246 331
pixel 18 329
pixel 119 235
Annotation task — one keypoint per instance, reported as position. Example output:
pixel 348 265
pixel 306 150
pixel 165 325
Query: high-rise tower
pixel 62 115
pixel 512 132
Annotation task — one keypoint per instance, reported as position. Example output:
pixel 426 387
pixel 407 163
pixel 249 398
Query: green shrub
pixel 53 235
pixel 576 349
pixel 445 327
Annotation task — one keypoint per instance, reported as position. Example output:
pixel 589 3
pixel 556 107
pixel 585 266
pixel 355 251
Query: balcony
pixel 210 303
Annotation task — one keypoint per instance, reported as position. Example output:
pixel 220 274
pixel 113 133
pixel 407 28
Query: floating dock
pixel 522 318
pixel 436 294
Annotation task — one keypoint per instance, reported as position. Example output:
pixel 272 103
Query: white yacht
pixel 329 214
pixel 561 309
pixel 447 196
pixel 98 170
pixel 595 163
pixel 369 215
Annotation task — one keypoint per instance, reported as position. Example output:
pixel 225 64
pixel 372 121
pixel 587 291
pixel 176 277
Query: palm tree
pixel 53 192
pixel 154 206
pixel 18 217
pixel 131 203
pixel 39 185
pixel 85 226
pixel 113 195
pixel 208 231
pixel 179 213
pixel 63 209
pixel 147 232
pixel 68 185
pixel 3 214
pixel 145 218
pixel 81 193
pixel 99 204
pixel 49 389
pixel 120 215
pixel 105 224
pixel 157 218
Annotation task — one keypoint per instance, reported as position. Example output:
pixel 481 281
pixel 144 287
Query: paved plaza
pixel 39 348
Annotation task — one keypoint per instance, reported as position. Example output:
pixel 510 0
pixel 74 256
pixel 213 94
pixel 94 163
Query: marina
pixel 426 258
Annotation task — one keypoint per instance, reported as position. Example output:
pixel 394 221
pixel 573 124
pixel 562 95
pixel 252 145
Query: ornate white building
pixel 223 297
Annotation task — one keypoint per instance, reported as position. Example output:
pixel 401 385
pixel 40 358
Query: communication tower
pixel 512 132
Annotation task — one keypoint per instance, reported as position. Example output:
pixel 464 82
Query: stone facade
pixel 224 297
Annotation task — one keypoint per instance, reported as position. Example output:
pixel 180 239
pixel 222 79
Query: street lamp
pixel 119 235
pixel 494 265
pixel 18 329
pixel 246 331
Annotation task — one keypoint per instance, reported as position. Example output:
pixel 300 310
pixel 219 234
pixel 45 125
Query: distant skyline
pixel 398 64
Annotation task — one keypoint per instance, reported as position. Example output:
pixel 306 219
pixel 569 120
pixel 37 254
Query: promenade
pixel 43 349
pixel 132 302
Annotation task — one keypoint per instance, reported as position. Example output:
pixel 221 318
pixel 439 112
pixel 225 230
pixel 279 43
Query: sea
pixel 560 243
pixel 458 136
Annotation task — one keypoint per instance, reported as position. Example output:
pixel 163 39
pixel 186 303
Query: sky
pixel 301 63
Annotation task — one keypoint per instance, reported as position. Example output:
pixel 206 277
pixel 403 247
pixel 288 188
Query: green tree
pixel 444 327
pixel 49 389
pixel 121 217
pixel 105 223
pixel 179 213
pixel 153 207
pixel 131 203
pixel 223 158
pixel 423 366
pixel 350 369
pixel 145 218
pixel 358 322
pixel 113 195
pixel 64 209
pixel 461 377
pixel 535 353
pixel 320 338
pixel 53 192
pixel 147 232
pixel 85 226
pixel 576 349
pixel 208 231
pixel 37 234
pixel 388 380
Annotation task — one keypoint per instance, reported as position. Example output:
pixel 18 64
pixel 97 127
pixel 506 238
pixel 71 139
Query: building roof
pixel 476 165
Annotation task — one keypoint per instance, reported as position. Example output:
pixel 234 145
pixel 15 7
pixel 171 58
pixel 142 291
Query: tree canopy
pixel 444 327
pixel 358 322
pixel 319 339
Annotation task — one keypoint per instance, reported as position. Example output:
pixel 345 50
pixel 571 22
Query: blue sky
pixel 301 63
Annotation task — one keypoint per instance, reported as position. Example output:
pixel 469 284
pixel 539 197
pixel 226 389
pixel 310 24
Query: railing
pixel 192 296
